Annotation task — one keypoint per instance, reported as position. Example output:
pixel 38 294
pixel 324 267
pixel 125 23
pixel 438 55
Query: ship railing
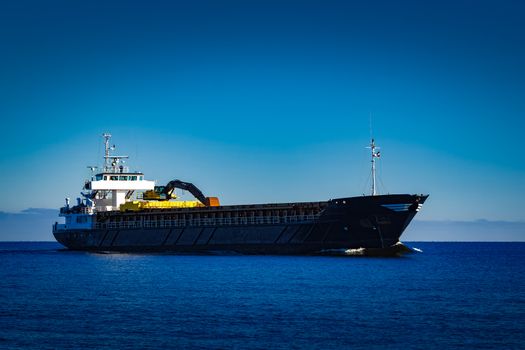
pixel 206 222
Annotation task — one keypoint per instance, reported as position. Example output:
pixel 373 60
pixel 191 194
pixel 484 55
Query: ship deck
pixel 250 214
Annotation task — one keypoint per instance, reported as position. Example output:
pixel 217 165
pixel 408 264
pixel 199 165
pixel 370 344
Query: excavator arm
pixel 166 193
pixel 186 186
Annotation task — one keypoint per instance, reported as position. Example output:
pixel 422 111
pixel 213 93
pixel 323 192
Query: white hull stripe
pixel 401 207
pixel 397 207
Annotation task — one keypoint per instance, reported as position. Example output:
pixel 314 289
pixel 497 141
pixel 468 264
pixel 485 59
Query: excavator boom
pixel 186 186
pixel 166 193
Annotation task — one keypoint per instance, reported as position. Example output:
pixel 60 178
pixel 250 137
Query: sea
pixel 440 296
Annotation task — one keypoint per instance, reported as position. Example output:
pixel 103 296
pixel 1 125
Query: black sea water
pixel 450 295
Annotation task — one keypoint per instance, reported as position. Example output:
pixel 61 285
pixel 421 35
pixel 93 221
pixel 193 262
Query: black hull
pixel 374 222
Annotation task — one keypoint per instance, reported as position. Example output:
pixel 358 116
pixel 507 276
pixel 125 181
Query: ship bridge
pixel 119 181
pixel 115 184
pixel 108 190
pixel 111 186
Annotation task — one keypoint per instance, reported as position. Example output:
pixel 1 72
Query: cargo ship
pixel 121 211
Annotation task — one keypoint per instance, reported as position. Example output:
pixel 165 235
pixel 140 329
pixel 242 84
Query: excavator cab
pixel 159 193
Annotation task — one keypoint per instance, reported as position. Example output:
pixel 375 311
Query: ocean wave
pixel 397 249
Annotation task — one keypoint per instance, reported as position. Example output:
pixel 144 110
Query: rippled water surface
pixel 451 295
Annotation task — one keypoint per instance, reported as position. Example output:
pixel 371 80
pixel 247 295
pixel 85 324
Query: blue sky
pixel 267 101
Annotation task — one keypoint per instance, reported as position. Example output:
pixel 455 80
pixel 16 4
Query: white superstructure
pixel 105 191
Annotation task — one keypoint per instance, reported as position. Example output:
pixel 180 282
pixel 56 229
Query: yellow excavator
pixel 159 198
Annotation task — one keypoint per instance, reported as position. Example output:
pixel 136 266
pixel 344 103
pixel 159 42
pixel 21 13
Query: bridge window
pixel 98 177
pixel 123 178
pixel 133 178
pixel 113 178
pixel 105 177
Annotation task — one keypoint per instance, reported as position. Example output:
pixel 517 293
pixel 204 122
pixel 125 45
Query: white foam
pixel 355 252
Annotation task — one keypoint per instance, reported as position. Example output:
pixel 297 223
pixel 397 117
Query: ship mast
pixel 107 137
pixel 111 163
pixel 375 153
